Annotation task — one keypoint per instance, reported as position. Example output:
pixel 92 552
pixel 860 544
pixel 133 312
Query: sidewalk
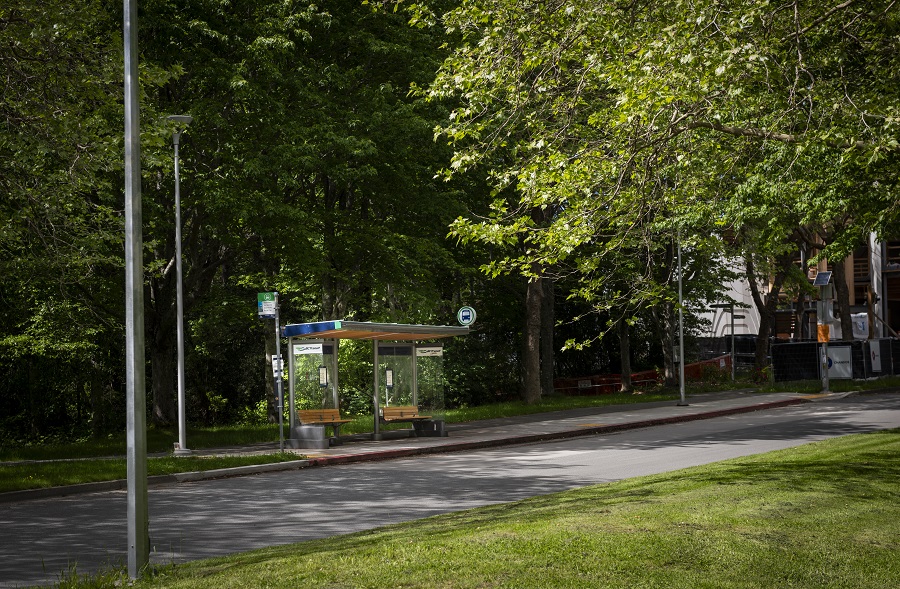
pixel 472 436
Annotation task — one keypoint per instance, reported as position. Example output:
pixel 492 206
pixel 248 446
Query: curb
pixel 534 438
pixel 159 480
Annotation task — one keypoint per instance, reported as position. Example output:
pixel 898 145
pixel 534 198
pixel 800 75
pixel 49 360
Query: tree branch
pixel 819 20
pixel 767 135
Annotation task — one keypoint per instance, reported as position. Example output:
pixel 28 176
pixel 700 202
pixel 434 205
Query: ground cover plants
pixel 39 466
pixel 823 515
pixel 18 476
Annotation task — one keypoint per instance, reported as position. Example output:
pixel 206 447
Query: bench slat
pixel 402 413
pixel 324 416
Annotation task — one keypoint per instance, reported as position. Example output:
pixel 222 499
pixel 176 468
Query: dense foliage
pixel 579 146
pixel 308 169
pixel 748 128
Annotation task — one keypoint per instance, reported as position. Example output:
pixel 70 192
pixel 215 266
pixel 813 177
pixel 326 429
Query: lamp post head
pixel 180 122
pixel 183 120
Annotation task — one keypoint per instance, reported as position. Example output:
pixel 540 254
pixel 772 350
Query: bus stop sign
pixel 466 316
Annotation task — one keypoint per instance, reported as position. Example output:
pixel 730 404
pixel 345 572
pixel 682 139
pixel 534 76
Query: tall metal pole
pixel 135 383
pixel 680 330
pixel 182 449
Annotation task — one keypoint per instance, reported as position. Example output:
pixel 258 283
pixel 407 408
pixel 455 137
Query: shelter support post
pixel 292 379
pixel 334 374
pixel 375 392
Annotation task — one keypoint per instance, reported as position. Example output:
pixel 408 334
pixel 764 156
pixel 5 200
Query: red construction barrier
pixel 611 383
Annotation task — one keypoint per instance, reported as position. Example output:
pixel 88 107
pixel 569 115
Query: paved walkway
pixel 473 435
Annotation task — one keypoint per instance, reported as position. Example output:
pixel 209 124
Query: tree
pixel 60 215
pixel 309 167
pixel 587 106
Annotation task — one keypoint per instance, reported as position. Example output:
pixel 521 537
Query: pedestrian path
pixel 556 425
pixel 473 435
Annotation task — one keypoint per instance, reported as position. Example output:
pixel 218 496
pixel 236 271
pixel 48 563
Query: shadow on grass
pixel 811 478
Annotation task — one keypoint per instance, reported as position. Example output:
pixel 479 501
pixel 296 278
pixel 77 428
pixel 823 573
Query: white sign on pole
pixel 430 352
pixel 875 355
pixel 301 349
pixel 277 366
pixel 840 363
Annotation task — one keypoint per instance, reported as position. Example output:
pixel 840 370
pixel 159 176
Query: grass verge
pixel 216 437
pixel 71 471
pixel 824 515
pixel 39 475
pixel 158 441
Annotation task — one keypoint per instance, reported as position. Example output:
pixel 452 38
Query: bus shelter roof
pixel 365 330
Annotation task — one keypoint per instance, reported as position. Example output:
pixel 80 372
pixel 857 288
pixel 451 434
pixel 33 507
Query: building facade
pixel 873 280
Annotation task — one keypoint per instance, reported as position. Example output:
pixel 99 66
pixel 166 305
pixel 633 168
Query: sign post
pixel 267 307
pixel 823 320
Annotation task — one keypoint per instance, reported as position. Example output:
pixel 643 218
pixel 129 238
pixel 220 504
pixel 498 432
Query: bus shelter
pixel 407 366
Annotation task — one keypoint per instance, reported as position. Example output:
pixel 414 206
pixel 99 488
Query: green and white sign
pixel 265 302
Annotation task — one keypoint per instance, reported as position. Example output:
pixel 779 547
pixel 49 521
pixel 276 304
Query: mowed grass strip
pixel 824 515
pixel 39 475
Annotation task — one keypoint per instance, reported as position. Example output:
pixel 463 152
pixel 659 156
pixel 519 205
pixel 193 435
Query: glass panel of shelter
pixel 430 377
pixel 412 375
pixel 414 372
pixel 397 385
pixel 312 375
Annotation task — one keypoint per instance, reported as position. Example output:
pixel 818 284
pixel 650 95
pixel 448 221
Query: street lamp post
pixel 681 401
pixel 180 121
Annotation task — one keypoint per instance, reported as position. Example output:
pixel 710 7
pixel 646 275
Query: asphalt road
pixel 190 521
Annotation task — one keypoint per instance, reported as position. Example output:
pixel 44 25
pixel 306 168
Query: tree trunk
pixel 664 317
pixel 548 320
pixel 98 415
pixel 531 385
pixel 162 369
pixel 625 354
pixel 203 259
pixel 842 300
pixel 161 347
pixel 329 243
pixel 766 306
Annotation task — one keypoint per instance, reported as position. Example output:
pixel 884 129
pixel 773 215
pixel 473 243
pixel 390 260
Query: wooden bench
pixel 401 413
pixel 330 417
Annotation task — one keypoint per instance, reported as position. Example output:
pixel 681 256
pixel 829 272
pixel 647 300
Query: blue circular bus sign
pixel 466 316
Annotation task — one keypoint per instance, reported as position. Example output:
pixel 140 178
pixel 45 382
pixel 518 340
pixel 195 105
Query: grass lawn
pixel 162 440
pixel 824 515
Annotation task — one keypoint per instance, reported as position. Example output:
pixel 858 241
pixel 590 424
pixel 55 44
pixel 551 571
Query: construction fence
pixel 711 369
pixel 860 359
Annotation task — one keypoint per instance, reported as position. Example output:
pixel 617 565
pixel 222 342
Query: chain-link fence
pixel 857 360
